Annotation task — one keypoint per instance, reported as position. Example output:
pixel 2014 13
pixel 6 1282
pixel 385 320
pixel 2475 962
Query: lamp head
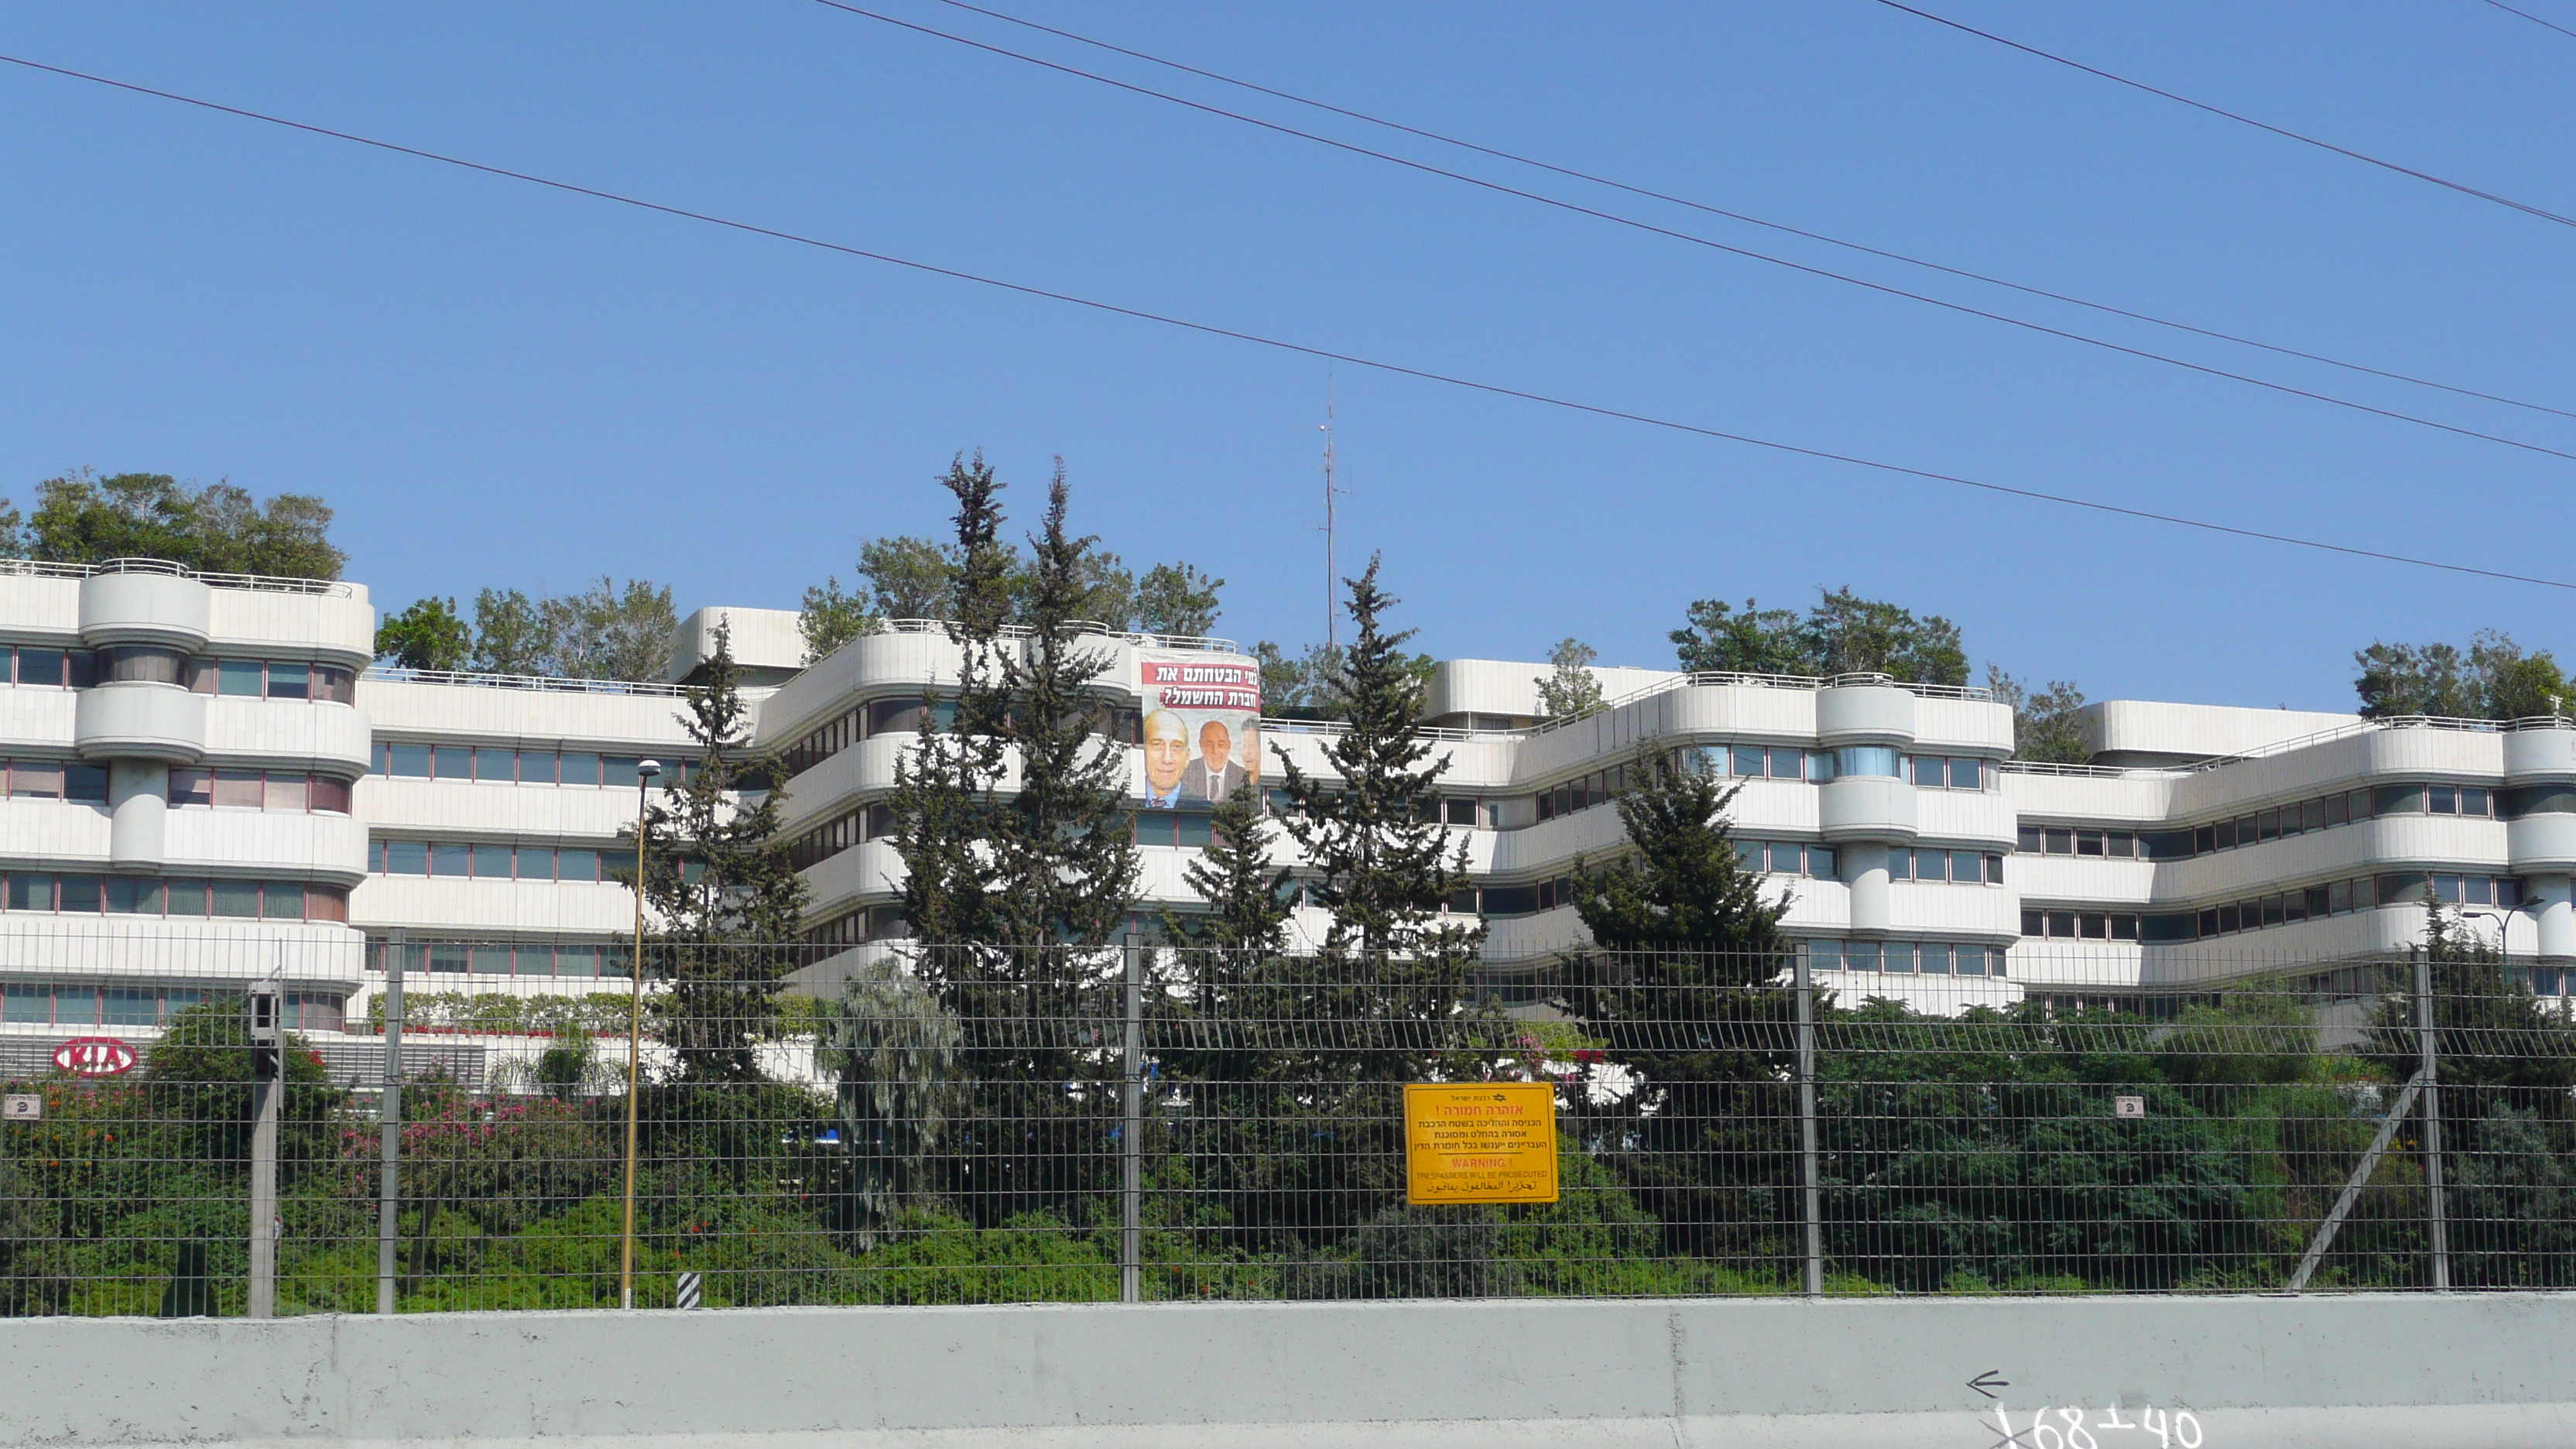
pixel 648 768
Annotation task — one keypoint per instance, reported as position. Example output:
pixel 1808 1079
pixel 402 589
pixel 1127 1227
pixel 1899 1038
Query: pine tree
pixel 719 883
pixel 1382 863
pixel 1682 987
pixel 1247 906
pixel 1064 852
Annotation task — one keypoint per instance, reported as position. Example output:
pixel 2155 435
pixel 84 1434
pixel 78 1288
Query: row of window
pixel 53 780
pixel 2322 813
pixel 507 766
pixel 38 1004
pixel 2334 898
pixel 875 923
pixel 154 664
pixel 1778 762
pixel 497 862
pixel 505 958
pixel 126 895
pixel 260 790
pixel 241 678
pixel 1905 958
pixel 911 716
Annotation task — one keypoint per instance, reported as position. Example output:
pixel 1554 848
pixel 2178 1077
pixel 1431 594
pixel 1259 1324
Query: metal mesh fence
pixel 914 1124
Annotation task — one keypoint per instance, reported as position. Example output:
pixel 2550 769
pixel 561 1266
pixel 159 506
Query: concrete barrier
pixel 2428 1372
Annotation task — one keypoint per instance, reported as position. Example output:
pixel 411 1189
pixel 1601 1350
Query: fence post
pixel 264 1047
pixel 1131 1131
pixel 1813 1281
pixel 2436 1206
pixel 389 1185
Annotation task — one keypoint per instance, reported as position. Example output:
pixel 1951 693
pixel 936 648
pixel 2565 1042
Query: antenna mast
pixel 1332 569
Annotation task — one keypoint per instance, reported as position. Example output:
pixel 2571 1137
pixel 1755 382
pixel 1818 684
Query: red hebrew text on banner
pixel 1202 728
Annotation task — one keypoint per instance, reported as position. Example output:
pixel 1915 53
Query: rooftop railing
pixel 265 583
pixel 1707 678
pixel 391 674
pixel 1202 643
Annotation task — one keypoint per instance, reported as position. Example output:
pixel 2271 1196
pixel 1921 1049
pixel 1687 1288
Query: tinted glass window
pixel 1966 866
pixel 289 792
pixel 619 770
pixel 1864 760
pixel 452 762
pixel 578 865
pixel 409 761
pixel 500 766
pixel 187 898
pixel 536 767
pixel 85 782
pixel 289 681
pixel 240 677
pixel 581 769
pixel 237 898
pixel 492 862
pixel 331 794
pixel 238 789
pixel 406 857
pixel 2442 800
pixel 134 896
pixel 1789 764
pixel 536 862
pixel 40 666
pixel 2398 800
pixel 282 901
pixel 1930 771
pixel 1748 760
pixel 1964 774
pixel 447 860
pixel 81 893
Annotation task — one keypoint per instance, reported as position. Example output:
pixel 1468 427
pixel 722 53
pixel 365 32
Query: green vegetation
pixel 2492 679
pixel 84 518
pixel 604 632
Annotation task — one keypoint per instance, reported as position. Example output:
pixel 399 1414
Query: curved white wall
pixel 140 722
pixel 1865 807
pixel 144 609
pixel 1865 714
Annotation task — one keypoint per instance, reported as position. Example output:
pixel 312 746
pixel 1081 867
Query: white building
pixel 206 780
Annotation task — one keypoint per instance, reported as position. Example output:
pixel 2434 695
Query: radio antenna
pixel 1332 568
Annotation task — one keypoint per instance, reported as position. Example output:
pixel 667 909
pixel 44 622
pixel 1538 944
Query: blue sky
pixel 499 385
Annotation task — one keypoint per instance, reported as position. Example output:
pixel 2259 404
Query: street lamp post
pixel 644 773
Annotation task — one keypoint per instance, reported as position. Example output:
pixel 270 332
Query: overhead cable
pixel 2238 117
pixel 1709 242
pixel 2534 19
pixel 1597 179
pixel 1207 329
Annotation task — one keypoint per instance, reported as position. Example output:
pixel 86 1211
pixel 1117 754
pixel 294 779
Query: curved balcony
pixel 1865 807
pixel 333 738
pixel 336 628
pixel 2541 843
pixel 144 608
pixel 140 721
pixel 1855 714
pixel 268 843
pixel 2540 754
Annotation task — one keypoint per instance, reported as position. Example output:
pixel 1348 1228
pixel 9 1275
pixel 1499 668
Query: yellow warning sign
pixel 1479 1142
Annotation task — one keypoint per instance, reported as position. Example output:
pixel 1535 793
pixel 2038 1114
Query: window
pixel 491 862
pixel 1871 760
pixel 1925 958
pixel 496 765
pixel 447 860
pixel 580 769
pixel 36 779
pixel 451 762
pixel 42 666
pixel 238 789
pixel 240 678
pixel 289 792
pixel 410 762
pixel 237 898
pixel 330 794
pixel 577 865
pixel 534 862
pixel 141 664
pixel 290 681
pixel 536 767
pixel 85 783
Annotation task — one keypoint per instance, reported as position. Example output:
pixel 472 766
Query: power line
pixel 1208 329
pixel 1695 239
pixel 2240 119
pixel 2534 19
pixel 1597 179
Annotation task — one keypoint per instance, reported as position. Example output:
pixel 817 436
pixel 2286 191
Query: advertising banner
pixel 1201 732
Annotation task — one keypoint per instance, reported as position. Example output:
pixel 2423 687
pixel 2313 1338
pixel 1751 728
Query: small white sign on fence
pixel 688 1290
pixel 2128 1106
pixel 22 1107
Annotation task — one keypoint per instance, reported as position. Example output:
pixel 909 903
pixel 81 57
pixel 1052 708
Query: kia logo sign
pixel 94 1056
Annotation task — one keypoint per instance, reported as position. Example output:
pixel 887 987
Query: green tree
pixel 1381 863
pixel 895 1054
pixel 832 618
pixel 1843 634
pixel 2046 726
pixel 428 635
pixel 1064 853
pixel 509 634
pixel 1177 599
pixel 85 518
pixel 2492 679
pixel 1571 689
pixel 1681 985
pixel 1754 640
pixel 726 900
pixel 1245 894
pixel 608 632
pixel 910 578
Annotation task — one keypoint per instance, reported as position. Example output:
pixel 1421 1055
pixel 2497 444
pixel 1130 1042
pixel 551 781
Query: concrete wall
pixel 2353 1372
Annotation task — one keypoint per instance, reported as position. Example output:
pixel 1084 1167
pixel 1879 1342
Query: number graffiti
pixel 2065 1428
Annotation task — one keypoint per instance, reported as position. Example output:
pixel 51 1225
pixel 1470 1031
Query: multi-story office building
pixel 205 779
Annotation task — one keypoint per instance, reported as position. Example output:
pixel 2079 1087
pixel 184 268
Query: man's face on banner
pixel 1167 750
pixel 1215 744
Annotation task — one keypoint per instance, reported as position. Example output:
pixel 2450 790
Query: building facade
pixel 206 780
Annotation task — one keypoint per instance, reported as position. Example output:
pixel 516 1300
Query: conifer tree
pixel 720 886
pixel 1064 853
pixel 1682 986
pixel 1247 910
pixel 1382 863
